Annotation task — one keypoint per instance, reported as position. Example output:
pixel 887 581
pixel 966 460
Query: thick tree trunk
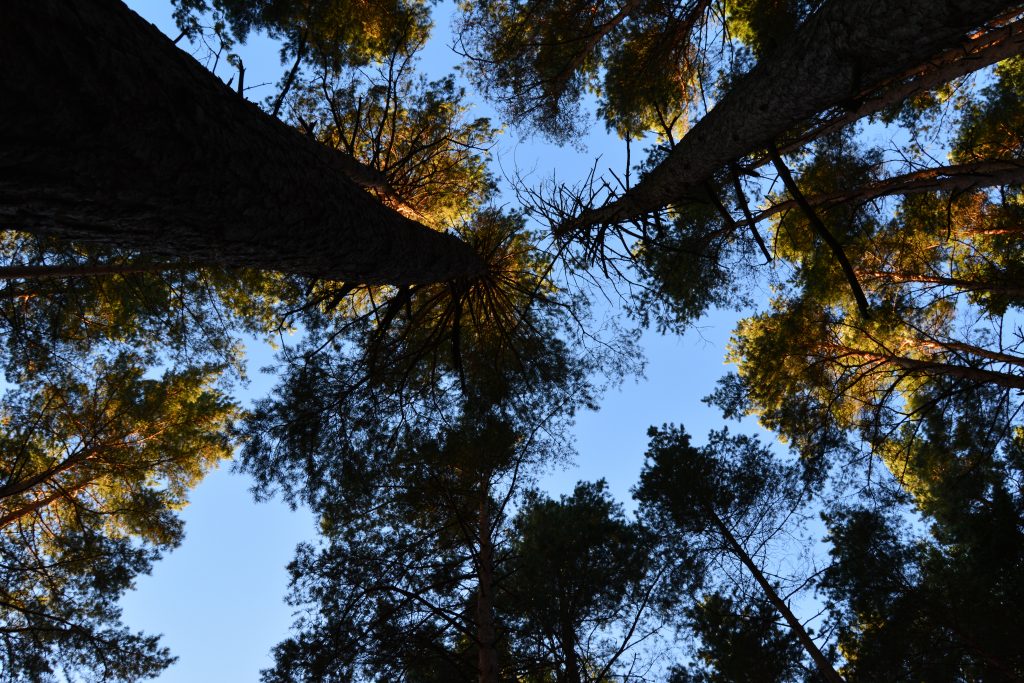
pixel 985 49
pixel 95 270
pixel 824 667
pixel 847 48
pixel 111 135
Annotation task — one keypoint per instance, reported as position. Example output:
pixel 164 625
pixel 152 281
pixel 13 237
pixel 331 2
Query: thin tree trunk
pixel 572 661
pixel 844 49
pixel 113 136
pixel 972 350
pixel 825 669
pixel 487 652
pixel 16 487
pixel 958 283
pixel 954 178
pixel 290 78
pixel 1002 379
pixel 985 232
pixel 40 503
pixel 590 43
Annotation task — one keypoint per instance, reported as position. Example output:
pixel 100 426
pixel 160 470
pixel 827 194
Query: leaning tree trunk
pixel 111 135
pixel 846 49
pixel 1006 380
pixel 955 179
pixel 825 669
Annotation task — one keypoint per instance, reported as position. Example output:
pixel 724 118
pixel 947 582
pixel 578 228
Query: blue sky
pixel 219 598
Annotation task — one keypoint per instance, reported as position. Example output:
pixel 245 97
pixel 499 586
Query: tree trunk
pixel 13 488
pixel 985 49
pixel 828 673
pixel 113 136
pixel 40 503
pixel 487 652
pixel 843 50
pixel 957 178
pixel 572 661
pixel 971 349
pixel 955 282
pixel 70 271
pixel 1002 379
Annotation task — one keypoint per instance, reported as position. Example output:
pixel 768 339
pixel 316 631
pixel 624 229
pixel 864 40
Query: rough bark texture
pixel 845 49
pixel 46 272
pixel 1000 43
pixel 111 135
pixel 487 651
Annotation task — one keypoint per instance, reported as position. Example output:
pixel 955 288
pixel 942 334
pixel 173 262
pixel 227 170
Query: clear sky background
pixel 219 599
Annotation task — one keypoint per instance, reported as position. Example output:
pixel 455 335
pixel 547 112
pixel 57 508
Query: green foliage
pixel 764 25
pixel 565 606
pixel 539 59
pixel 740 641
pixel 61 619
pixel 944 608
pixel 413 131
pixel 115 407
pixel 721 509
pixel 126 448
pixel 384 596
pixel 992 126
pixel 686 269
pixel 331 31
pixel 733 478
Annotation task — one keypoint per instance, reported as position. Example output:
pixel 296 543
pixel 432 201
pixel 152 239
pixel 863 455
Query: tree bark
pixel 72 271
pixel 1002 379
pixel 40 503
pixel 487 652
pixel 824 667
pixel 958 283
pixel 14 488
pixel 572 660
pixel 956 178
pixel 971 349
pixel 1002 42
pixel 847 48
pixel 113 136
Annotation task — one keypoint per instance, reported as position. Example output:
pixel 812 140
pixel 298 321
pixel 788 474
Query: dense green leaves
pixel 539 59
pixel 100 447
pixel 579 589
pixel 413 421
pixel 335 31
pixel 740 642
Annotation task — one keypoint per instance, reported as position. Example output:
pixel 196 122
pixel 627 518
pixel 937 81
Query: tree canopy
pixel 846 175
